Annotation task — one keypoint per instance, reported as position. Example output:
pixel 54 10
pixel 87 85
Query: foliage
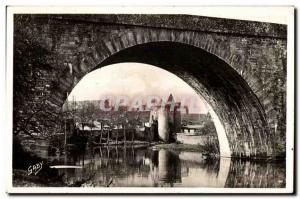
pixel 31 87
pixel 209 128
pixel 211 147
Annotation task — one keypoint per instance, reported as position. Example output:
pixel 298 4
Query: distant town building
pixel 162 122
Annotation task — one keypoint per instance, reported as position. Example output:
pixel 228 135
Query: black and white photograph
pixel 150 100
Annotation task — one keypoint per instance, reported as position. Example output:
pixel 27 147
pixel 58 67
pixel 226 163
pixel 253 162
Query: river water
pixel 144 167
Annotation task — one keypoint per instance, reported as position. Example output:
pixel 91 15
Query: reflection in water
pixel 256 175
pixel 142 166
pixel 167 168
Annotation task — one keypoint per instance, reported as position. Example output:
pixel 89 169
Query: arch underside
pixel 234 103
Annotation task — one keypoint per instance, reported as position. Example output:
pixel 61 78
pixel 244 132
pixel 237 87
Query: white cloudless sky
pixel 136 80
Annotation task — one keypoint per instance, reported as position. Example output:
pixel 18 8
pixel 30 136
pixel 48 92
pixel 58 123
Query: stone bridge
pixel 238 67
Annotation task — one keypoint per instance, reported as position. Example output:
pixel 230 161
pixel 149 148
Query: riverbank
pixel 180 147
pixel 127 143
pixel 206 151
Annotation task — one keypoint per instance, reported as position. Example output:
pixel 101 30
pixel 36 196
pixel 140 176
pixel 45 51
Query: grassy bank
pixel 206 151
pixel 180 147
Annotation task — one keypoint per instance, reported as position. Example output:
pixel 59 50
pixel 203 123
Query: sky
pixel 135 80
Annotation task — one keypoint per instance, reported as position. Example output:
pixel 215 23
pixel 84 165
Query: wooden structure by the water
pixel 114 136
pixel 109 135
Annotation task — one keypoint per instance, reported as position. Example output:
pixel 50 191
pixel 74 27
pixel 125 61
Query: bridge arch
pixel 249 56
pixel 217 78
